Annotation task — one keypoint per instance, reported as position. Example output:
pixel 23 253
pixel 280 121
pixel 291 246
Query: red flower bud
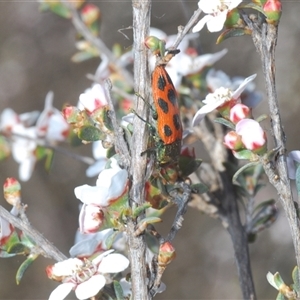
pixel 239 112
pixel 272 9
pixel 166 254
pixel 12 191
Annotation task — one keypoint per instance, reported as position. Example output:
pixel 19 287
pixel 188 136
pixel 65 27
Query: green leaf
pixel 118 290
pixel 298 179
pixel 140 209
pixel 90 133
pixel 232 32
pixel 266 214
pixel 18 248
pixel 241 170
pixel 24 266
pixel 109 239
pixel 225 122
pixel 83 56
pixel 60 9
pixel 253 6
pixel 4 148
pixel 261 118
pixel 296 279
pixel 199 188
pixel 280 297
pixel 188 165
pixel 49 159
pixel 244 154
pixel 278 280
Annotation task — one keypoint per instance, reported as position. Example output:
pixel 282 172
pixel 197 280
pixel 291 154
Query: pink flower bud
pixel 272 9
pixel 239 112
pixel 166 254
pixel 12 191
pixel 233 141
pixel 253 136
pixel 90 13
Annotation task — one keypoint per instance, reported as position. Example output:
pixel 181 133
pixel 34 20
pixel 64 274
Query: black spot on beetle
pixel 172 96
pixel 161 83
pixel 176 121
pixel 163 105
pixel 167 130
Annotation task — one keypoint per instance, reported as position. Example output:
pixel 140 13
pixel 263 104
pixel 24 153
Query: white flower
pixel 216 11
pixel 217 78
pixel 185 64
pixel 93 98
pixel 110 185
pixel 31 129
pixel 51 125
pixel 86 276
pixel 219 98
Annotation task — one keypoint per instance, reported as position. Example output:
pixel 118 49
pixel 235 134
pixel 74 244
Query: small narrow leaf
pixel 31 258
pixel 60 9
pixel 18 248
pixel 118 290
pixel 241 170
pixel 225 122
pixel 296 279
pixel 270 278
pixel 232 32
pixel 199 188
pixel 280 297
pixel 140 209
pixel 82 56
pixel 253 6
pixel 278 280
pixel 4 148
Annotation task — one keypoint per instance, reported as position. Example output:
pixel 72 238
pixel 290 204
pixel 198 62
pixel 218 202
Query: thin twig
pixel 265 39
pixel 137 244
pixel 98 43
pixel 212 136
pixel 43 246
pixel 183 31
pixel 119 142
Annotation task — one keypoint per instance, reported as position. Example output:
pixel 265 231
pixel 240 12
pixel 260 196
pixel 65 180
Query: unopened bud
pixel 273 9
pixel 12 191
pixel 233 141
pixel 239 112
pixel 156 45
pixel 90 13
pixel 166 254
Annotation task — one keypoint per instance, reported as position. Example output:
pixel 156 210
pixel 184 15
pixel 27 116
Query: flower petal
pixel 92 195
pixel 91 287
pixel 113 263
pixel 237 93
pixel 61 291
pixel 201 23
pixel 200 114
pixel 215 24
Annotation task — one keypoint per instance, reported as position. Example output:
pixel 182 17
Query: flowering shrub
pixel 141 155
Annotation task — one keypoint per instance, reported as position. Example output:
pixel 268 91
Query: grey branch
pixel 43 246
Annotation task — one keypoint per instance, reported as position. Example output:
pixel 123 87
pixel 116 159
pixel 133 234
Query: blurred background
pixel 35 52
